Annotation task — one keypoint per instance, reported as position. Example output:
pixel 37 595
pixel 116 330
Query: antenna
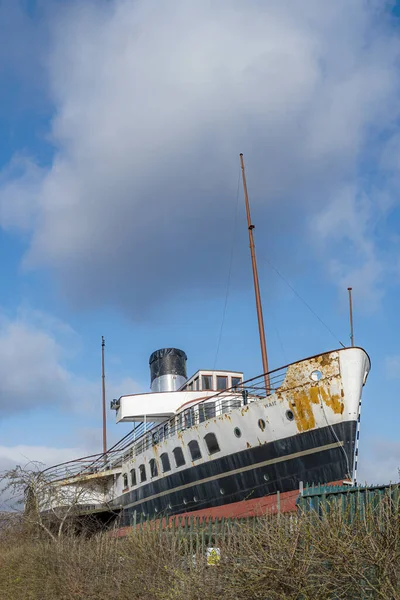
pixel 256 283
pixel 103 380
pixel 351 315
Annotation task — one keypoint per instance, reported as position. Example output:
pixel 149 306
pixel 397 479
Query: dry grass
pixel 303 558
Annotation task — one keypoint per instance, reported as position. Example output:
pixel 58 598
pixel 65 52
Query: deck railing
pixel 145 435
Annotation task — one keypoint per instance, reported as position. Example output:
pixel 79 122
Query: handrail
pixel 136 442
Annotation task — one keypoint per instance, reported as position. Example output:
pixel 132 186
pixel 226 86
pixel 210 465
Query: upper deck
pixel 156 407
pixel 349 365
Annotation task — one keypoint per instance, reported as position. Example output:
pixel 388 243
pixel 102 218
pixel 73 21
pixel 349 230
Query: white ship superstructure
pixel 197 448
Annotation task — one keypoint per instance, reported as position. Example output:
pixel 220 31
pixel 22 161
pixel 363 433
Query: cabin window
pixel 207 382
pixel 212 443
pixel 236 381
pixel 206 411
pixel 153 468
pixel 194 450
pixel 190 386
pixel 222 382
pixel 142 472
pixel 133 477
pixel 125 480
pixel 179 458
pixel 189 417
pixel 166 465
pixel 196 384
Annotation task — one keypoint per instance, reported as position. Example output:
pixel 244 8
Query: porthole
pixel 289 415
pixel 261 424
pixel 266 477
pixel 237 432
pixel 221 491
pixel 316 375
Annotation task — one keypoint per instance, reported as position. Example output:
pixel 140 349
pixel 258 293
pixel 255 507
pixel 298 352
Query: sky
pixel 122 212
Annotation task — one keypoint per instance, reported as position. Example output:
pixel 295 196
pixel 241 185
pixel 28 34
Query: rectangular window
pixel 212 443
pixel 133 477
pixel 166 466
pixel 142 472
pixel 206 411
pixel 179 458
pixel 207 382
pixel 194 449
pixel 189 417
pixel 153 468
pixel 222 382
pixel 236 381
pixel 190 386
pixel 196 384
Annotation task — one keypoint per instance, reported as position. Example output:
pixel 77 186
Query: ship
pixel 218 445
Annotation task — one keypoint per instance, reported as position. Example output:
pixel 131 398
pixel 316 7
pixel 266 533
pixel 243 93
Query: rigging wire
pixel 228 285
pixel 285 358
pixel 303 301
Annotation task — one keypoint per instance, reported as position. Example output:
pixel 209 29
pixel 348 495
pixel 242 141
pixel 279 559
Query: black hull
pixel 319 456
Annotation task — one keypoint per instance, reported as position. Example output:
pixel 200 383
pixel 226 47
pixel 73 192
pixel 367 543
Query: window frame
pixel 194 444
pixel 188 417
pixel 240 381
pixel 142 473
pixel 180 451
pixel 221 389
pixel 207 410
pixel 164 470
pixel 211 435
pixel 153 468
pixel 203 386
pixel 133 479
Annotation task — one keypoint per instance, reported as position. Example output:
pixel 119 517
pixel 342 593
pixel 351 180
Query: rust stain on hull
pixel 302 392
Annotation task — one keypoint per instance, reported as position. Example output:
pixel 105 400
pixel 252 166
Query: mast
pixel 103 381
pixel 349 289
pixel 256 283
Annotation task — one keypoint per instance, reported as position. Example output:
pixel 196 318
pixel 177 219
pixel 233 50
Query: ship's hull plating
pixel 321 455
pixel 304 430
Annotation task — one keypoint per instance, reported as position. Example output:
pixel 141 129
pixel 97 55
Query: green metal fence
pixel 353 501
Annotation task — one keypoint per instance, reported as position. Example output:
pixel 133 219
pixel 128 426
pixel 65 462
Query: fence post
pixel 191 528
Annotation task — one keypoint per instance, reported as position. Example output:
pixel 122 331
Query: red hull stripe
pixel 254 507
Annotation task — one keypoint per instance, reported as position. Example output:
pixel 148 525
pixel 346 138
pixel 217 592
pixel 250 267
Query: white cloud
pixel 347 226
pixel 47 456
pixel 30 458
pixel 34 352
pixel 153 103
pixel 31 369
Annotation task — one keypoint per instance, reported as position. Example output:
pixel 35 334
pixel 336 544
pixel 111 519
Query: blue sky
pixel 121 124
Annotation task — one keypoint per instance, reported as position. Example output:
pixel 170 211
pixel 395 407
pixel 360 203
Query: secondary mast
pixel 256 283
pixel 349 289
pixel 103 385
